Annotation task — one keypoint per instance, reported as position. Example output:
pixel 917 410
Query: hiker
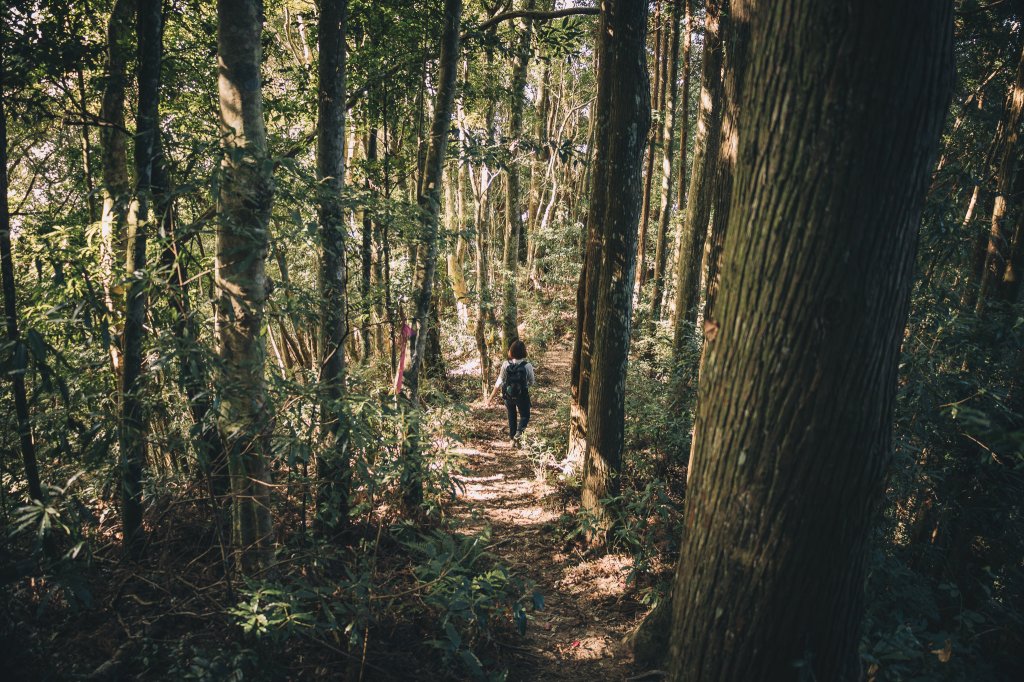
pixel 514 380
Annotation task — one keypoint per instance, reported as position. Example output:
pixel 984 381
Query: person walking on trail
pixel 514 381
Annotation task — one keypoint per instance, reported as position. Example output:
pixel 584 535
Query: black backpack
pixel 514 386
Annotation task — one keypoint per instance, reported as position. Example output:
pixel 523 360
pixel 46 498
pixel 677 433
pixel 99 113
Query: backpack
pixel 514 386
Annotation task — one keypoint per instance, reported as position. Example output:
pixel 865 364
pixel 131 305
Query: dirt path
pixel 588 608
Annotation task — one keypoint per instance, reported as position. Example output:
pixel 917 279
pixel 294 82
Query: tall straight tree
pixel 694 229
pixel 245 197
pixel 625 125
pixel 430 209
pixel 735 62
pixel 667 152
pixel 513 193
pixel 333 465
pixel 149 20
pixel 17 373
pixel 114 153
pixel 658 85
pixel 795 403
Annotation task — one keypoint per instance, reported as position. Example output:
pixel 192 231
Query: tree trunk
pixel 113 146
pixel 430 205
pixel 794 412
pixel 149 20
pixel 245 198
pixel 18 350
pixel 623 29
pixel 513 193
pixel 668 123
pixel 736 56
pixel 333 470
pixel 366 250
pixel 661 44
pixel 705 157
pixel 998 253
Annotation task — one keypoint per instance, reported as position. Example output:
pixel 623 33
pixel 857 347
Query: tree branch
pixel 537 15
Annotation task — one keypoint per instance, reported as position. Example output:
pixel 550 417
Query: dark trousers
pixel 522 406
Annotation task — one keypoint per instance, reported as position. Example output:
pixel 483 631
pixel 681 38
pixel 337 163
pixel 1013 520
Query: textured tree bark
pixel 21 411
pixel 838 135
pixel 735 61
pixel 132 431
pixel 590 272
pixel 998 252
pixel 667 152
pixel 114 155
pixel 430 206
pixel 623 29
pixel 333 470
pixel 245 198
pixel 513 192
pixel 705 157
pixel 684 106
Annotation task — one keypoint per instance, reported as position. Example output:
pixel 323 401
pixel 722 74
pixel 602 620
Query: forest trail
pixel 587 606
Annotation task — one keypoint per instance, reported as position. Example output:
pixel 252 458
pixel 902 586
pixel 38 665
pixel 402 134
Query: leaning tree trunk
pixel 133 424
pixel 513 192
pixel 430 207
pixel 667 151
pixel 333 470
pixel 245 198
pixel 17 372
pixel 795 405
pixel 624 25
pixel 694 229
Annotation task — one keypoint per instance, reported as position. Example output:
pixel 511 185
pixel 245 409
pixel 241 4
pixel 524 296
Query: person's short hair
pixel 517 350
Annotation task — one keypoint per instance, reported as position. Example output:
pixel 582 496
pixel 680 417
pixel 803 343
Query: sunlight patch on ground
pixel 597 578
pixel 590 648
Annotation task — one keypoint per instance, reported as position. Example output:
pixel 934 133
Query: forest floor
pixel 588 607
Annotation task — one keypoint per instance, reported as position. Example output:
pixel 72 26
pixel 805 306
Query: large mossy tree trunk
pixel 626 124
pixel 839 127
pixel 18 351
pixel 333 470
pixel 430 212
pixel 694 228
pixel 132 429
pixel 245 198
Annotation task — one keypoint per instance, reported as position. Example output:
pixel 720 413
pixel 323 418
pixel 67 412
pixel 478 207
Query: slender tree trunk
pixel 661 45
pixel 366 250
pixel 513 192
pixel 430 205
pixel 133 433
pixel 795 404
pixel 668 123
pixel 18 350
pixel 623 29
pixel 705 157
pixel 245 197
pixel 333 469
pixel 113 145
pixel 684 106
pixel 998 252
